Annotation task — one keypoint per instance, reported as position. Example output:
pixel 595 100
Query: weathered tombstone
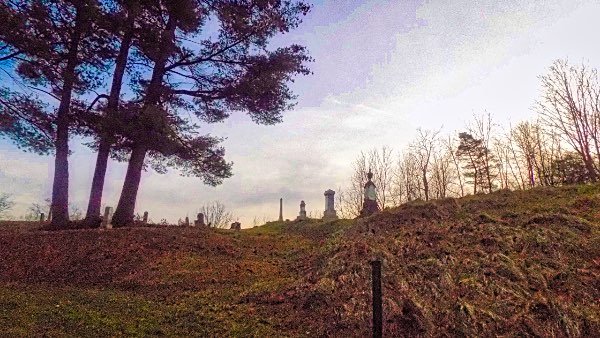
pixel 106 221
pixel 329 213
pixel 199 222
pixel 187 221
pixel 281 210
pixel 237 226
pixel 370 203
pixel 302 215
pixel 42 218
pixel 145 219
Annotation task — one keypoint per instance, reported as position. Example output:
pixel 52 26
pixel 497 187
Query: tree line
pixel 137 79
pixel 560 146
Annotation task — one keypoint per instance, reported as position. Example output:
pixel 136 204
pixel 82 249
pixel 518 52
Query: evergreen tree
pixel 57 48
pixel 211 77
pixel 571 169
pixel 472 152
pixel 121 22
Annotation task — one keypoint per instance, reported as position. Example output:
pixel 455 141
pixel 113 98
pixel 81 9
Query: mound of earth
pixel 523 263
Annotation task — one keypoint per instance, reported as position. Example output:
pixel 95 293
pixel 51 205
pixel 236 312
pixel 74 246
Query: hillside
pixel 523 263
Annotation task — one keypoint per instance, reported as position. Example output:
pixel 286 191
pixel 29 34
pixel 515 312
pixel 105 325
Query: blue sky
pixel 381 70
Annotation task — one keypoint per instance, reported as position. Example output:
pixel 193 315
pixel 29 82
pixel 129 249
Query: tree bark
pixel 92 216
pixel 124 213
pixel 60 185
pixel 126 207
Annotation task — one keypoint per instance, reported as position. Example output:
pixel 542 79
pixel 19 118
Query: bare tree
pixel 216 214
pixel 35 210
pixel 352 198
pixel 515 160
pixel 382 167
pixel 482 130
pixel 75 213
pixel 5 203
pixel 441 171
pixel 570 104
pixel 342 211
pixel 407 185
pixel 550 152
pixel 451 145
pixel 422 149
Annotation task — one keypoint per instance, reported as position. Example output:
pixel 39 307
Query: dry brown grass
pixel 505 264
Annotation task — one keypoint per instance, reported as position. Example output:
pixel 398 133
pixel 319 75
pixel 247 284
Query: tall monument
pixel 302 215
pixel 281 210
pixel 330 213
pixel 370 203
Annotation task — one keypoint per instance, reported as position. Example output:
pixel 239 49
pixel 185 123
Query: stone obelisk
pixel 281 210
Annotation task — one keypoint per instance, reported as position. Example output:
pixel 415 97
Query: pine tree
pixel 123 29
pixel 57 48
pixel 211 77
pixel 472 152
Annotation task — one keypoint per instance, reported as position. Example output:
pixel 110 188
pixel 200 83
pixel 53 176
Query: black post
pixel 377 305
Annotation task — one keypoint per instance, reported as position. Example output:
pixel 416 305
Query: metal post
pixel 377 304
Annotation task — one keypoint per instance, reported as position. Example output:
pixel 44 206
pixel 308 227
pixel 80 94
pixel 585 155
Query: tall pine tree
pixel 212 76
pixel 58 49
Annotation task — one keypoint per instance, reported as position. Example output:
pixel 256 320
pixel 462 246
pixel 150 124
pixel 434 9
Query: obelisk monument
pixel 281 210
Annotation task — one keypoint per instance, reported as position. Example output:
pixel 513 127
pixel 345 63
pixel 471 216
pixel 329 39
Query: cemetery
pixel 312 277
pixel 437 166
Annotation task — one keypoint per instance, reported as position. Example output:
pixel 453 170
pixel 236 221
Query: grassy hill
pixel 523 263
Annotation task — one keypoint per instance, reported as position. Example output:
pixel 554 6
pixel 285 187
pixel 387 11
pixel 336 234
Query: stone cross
pixel 42 218
pixel 281 210
pixel 302 215
pixel 329 213
pixel 106 221
pixel 370 205
pixel 145 219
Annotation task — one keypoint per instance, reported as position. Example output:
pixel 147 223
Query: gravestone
pixel 42 218
pixel 302 215
pixel 145 219
pixel 199 222
pixel 237 226
pixel 370 203
pixel 106 220
pixel 329 213
pixel 187 221
pixel 281 210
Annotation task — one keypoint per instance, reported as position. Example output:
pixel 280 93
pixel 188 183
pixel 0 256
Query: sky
pixel 382 69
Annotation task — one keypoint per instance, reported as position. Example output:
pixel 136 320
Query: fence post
pixel 377 304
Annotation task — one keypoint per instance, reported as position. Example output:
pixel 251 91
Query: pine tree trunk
pixel 92 217
pixel 124 213
pixel 126 207
pixel 60 185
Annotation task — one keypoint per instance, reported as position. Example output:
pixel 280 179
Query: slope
pixel 521 263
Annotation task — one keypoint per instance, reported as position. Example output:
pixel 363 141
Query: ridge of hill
pixel 523 263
